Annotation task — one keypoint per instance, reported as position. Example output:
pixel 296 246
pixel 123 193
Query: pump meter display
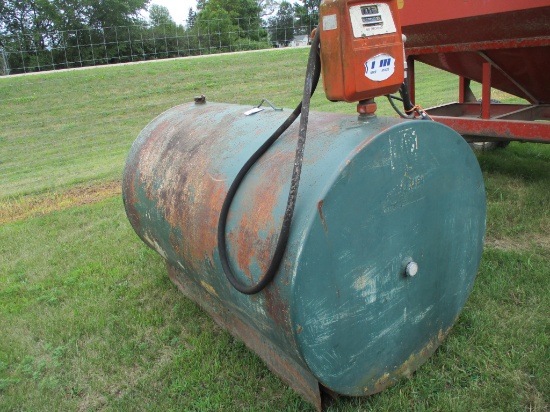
pixel 369 9
pixel 371 20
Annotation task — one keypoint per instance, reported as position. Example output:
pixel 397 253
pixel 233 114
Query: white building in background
pixel 297 41
pixel 300 40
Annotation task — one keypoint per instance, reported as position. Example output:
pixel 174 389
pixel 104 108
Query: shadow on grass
pixel 526 161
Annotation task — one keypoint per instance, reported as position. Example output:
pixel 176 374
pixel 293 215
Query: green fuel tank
pixel 383 251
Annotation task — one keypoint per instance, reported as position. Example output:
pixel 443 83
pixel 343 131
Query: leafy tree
pixel 73 14
pixel 191 18
pixel 215 29
pixel 162 34
pixel 281 26
pixel 23 18
pixel 307 14
pixel 238 17
pixel 201 4
pixel 51 33
pixel 48 34
pixel 160 15
pixel 235 8
pixel 267 7
pixel 225 25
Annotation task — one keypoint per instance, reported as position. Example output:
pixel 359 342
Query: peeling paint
pixel 321 216
pixel 418 318
pixel 155 245
pixel 410 365
pixel 366 285
pixel 209 288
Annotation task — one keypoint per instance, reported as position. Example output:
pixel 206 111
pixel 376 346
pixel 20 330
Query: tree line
pixel 52 34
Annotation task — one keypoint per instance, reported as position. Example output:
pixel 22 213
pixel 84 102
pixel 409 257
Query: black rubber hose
pixel 409 108
pixel 313 72
pixel 408 105
pixel 404 93
pixel 391 98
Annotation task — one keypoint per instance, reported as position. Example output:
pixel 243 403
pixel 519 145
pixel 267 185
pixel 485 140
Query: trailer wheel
pixel 488 145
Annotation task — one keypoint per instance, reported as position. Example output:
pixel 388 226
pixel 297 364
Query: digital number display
pixel 366 10
pixel 371 19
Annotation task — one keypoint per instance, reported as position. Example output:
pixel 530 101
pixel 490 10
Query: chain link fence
pixel 53 50
pixel 59 129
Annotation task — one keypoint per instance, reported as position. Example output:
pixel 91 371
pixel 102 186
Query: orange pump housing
pixel 362 53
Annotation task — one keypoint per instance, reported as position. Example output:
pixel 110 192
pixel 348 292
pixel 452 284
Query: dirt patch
pixel 519 244
pixel 12 210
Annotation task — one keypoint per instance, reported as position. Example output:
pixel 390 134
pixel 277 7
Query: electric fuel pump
pixel 361 49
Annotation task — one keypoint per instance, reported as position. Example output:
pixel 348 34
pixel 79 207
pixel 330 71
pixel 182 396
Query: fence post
pixel 4 66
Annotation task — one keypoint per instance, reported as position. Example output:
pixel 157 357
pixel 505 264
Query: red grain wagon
pixel 501 44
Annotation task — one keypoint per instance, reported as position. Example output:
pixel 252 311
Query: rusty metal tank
pixel 384 246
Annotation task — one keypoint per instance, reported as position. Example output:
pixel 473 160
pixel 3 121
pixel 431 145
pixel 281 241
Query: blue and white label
pixel 380 67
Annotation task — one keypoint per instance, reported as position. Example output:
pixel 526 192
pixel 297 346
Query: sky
pixel 179 9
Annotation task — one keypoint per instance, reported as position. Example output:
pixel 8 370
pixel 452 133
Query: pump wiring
pixel 410 109
pixel 313 72
pixel 391 99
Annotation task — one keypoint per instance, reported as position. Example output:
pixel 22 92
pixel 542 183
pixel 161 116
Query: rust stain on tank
pixel 174 162
pixel 129 195
pixel 257 232
pixel 135 169
pixel 250 246
pixel 322 216
pixel 410 365
pixel 206 215
pixel 276 307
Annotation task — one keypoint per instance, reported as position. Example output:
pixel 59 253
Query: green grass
pixel 90 321
pixel 66 128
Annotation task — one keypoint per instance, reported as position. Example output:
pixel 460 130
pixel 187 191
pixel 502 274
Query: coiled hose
pixel 312 78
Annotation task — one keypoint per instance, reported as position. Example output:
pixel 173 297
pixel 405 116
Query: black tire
pixel 483 146
pixel 486 146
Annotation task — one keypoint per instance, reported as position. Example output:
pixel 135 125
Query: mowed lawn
pixel 90 321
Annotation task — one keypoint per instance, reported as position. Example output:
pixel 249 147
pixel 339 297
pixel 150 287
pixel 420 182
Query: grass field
pixel 90 321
